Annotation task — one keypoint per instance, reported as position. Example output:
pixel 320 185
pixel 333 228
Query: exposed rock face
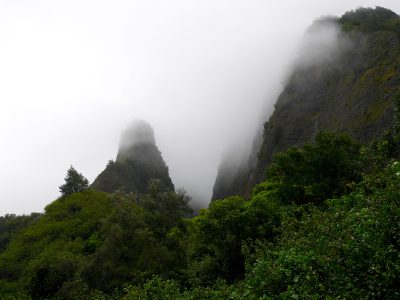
pixel 230 180
pixel 138 161
pixel 350 90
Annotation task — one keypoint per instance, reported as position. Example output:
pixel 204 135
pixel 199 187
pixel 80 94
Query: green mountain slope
pixel 325 224
pixel 350 90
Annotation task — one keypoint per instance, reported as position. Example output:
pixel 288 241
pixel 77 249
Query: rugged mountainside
pixel 345 86
pixel 324 224
pixel 138 161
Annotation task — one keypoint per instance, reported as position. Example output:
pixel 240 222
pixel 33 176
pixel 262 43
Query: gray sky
pixel 74 73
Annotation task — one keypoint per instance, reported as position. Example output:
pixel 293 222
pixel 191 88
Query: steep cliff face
pixel 231 179
pixel 233 171
pixel 345 85
pixel 138 161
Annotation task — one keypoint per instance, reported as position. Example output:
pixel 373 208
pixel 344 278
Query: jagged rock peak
pixel 138 161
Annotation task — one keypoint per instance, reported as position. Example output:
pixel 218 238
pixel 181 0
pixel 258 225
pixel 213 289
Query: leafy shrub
pixel 317 171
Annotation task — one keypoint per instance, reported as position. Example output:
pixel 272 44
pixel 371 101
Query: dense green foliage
pixel 140 237
pixel 92 240
pixel 219 233
pixel 339 239
pixel 325 223
pixel 316 171
pixel 11 224
pixel 347 248
pixel 45 255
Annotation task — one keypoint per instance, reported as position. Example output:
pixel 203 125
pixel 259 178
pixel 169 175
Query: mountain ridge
pixel 351 93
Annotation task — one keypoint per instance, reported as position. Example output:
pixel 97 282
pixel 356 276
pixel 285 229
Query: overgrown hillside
pixel 323 224
pixel 94 241
pixel 11 224
pixel 349 87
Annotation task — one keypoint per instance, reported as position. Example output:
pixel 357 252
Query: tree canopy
pixel 74 183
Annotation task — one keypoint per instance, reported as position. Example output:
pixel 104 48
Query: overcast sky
pixel 74 73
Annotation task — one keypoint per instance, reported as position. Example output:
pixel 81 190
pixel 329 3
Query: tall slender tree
pixel 74 182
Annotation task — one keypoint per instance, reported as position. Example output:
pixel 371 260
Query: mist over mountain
pixel 344 79
pixel 138 161
pixel 307 207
